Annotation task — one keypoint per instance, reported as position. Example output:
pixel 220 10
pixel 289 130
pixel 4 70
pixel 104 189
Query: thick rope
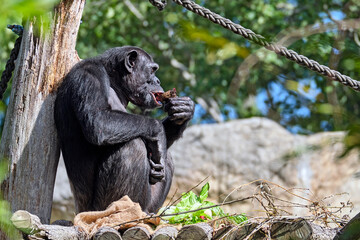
pixel 160 4
pixel 10 64
pixel 260 40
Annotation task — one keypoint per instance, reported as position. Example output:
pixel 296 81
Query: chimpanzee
pixel 109 152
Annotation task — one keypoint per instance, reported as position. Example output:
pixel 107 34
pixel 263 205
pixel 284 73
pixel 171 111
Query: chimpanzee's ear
pixel 130 60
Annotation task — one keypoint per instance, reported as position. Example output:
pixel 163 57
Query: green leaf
pixel 188 199
pixel 204 192
pixel 217 211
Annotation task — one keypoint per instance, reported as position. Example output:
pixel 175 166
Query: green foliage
pixel 16 9
pixel 190 201
pixel 5 213
pixel 5 224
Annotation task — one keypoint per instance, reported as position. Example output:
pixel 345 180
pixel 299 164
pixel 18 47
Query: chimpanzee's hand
pixel 157 172
pixel 157 152
pixel 179 109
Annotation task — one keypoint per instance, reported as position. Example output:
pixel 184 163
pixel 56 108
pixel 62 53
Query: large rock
pixel 235 153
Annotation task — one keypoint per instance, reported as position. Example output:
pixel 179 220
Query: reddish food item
pixel 162 97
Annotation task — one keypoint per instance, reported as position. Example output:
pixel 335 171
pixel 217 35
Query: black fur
pixel 108 152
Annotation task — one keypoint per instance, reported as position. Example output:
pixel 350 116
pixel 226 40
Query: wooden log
pixel 294 229
pixel 165 233
pixel 31 226
pixel 107 233
pixel 241 232
pixel 56 232
pixel 136 233
pixel 197 231
pixel 299 229
pixel 220 233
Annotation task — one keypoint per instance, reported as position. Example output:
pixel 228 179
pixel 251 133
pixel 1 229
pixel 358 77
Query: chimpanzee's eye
pixel 154 68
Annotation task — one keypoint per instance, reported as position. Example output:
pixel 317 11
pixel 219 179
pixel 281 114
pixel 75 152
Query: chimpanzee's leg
pixel 124 171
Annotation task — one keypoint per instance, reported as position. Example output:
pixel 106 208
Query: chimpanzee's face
pixel 143 85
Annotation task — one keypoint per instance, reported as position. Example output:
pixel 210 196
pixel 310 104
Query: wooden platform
pixel 276 228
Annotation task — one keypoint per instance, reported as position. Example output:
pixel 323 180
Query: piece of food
pixel 162 97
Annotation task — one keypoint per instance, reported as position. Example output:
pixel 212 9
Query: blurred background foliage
pixel 227 76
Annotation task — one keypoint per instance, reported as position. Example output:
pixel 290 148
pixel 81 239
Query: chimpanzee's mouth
pixel 157 97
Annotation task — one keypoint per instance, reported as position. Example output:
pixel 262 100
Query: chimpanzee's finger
pixel 157 167
pixel 183 101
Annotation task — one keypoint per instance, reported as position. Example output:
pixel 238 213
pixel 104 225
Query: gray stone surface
pixel 235 153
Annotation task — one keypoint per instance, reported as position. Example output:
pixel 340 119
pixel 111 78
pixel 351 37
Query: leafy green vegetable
pixel 189 202
pixel 204 192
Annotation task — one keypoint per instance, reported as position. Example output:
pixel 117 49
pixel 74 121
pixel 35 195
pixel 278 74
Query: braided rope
pixel 160 4
pixel 260 40
pixel 10 64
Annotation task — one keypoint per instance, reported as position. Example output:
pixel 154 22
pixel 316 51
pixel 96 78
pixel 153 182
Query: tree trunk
pixel 29 141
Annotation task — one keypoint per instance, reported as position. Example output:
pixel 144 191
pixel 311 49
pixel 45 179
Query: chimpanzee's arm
pixel 173 131
pixel 180 111
pixel 99 123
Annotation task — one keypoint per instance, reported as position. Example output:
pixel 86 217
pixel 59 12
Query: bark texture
pixel 29 141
